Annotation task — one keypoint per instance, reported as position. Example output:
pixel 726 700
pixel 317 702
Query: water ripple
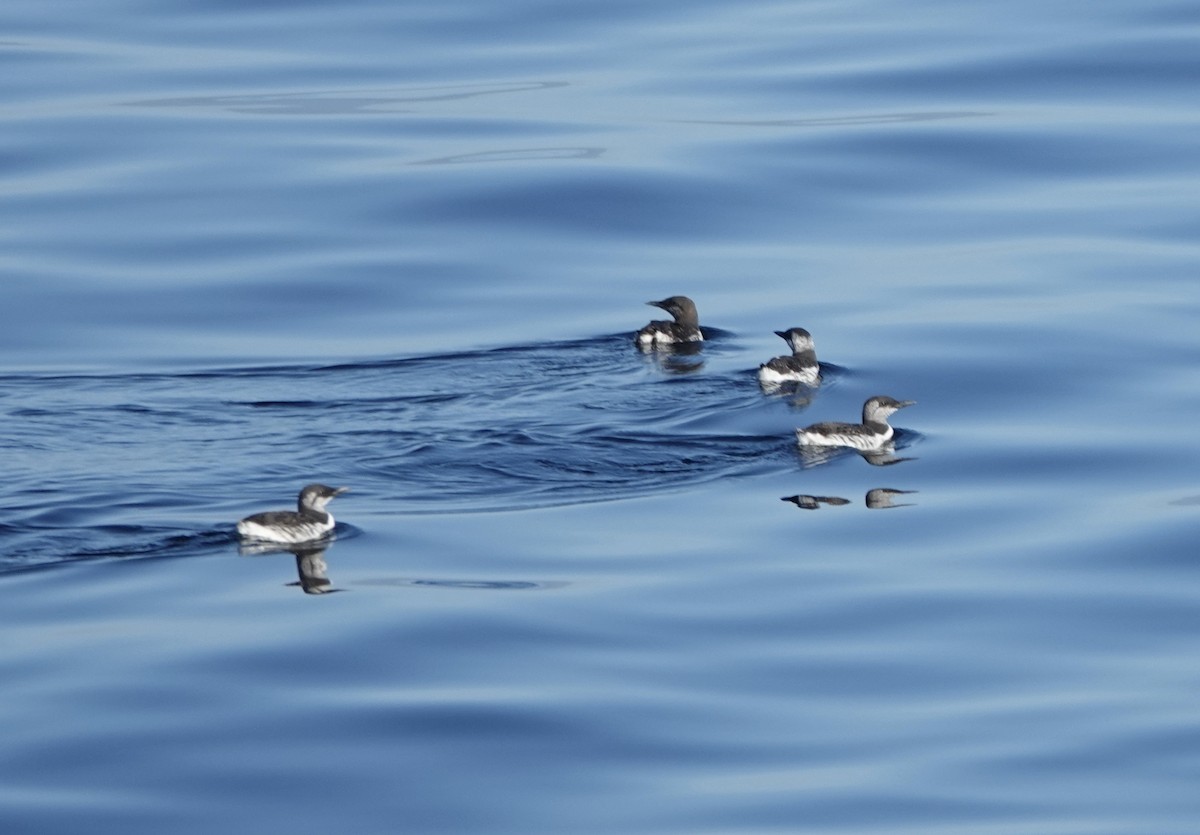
pixel 341 102
pixel 508 429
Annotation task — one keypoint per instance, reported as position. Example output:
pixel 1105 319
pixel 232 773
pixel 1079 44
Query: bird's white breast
pixel 290 533
pixel 769 376
pixel 655 336
pixel 864 441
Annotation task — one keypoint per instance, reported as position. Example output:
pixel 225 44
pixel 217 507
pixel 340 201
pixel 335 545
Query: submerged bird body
pixel 800 367
pixel 308 522
pixel 873 433
pixel 684 328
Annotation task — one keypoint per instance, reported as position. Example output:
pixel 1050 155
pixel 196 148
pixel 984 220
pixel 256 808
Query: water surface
pixel 250 246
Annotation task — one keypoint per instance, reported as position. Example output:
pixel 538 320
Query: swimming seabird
pixel 685 328
pixel 872 434
pixel 308 522
pixel 800 367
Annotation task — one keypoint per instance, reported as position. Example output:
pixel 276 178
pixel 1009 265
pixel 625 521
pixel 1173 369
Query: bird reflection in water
pixel 310 563
pixel 879 498
pixel 885 456
pixel 798 395
pixel 814 502
pixel 679 358
pixel 885 497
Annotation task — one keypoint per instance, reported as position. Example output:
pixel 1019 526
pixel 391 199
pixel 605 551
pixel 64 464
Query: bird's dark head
pixel 681 308
pixel 797 338
pixel 316 496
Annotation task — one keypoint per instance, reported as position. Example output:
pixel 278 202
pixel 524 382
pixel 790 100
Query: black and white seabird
pixel 872 434
pixel 310 521
pixel 685 328
pixel 800 367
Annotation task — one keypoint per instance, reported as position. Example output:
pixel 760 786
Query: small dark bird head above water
pixel 681 308
pixel 314 497
pixel 797 338
pixel 878 408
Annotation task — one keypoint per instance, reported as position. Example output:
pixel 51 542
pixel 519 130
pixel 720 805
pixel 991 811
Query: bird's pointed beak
pixel 904 403
pixel 781 334
pixel 340 490
pixel 661 304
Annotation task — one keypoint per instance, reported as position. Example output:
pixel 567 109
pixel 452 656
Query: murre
pixel 800 367
pixel 872 434
pixel 308 522
pixel 685 328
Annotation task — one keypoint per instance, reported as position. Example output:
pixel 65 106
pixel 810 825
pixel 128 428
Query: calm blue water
pixel 246 246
